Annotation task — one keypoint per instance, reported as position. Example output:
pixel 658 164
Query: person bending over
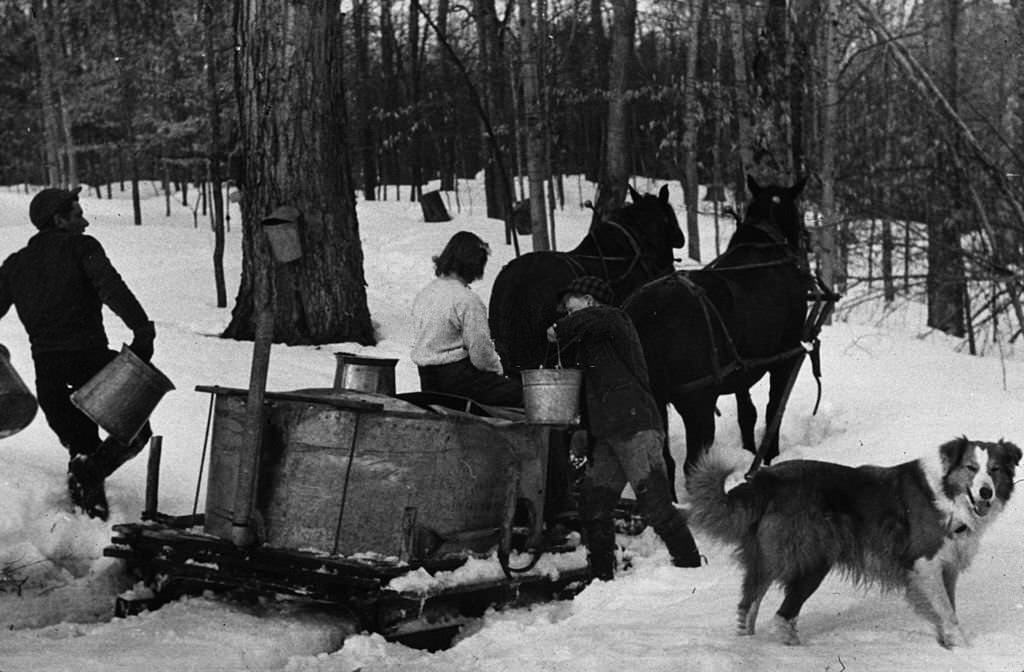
pixel 623 424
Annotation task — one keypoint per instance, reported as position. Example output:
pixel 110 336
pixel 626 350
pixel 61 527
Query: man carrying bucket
pixel 59 283
pixel 624 426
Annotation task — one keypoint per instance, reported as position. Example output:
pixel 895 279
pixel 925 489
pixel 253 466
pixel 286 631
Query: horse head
pixel 773 214
pixel 645 230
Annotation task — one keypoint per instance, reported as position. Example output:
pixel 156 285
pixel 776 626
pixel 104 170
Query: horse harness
pixel 636 259
pixel 824 301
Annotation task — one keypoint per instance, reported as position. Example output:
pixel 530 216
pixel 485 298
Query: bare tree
pixel 214 150
pixel 535 127
pixel 611 189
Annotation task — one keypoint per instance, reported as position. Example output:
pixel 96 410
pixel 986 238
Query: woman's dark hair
pixel 465 255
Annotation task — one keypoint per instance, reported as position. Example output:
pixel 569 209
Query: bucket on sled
pixel 552 396
pixel 121 397
pixel 365 374
pixel 17 405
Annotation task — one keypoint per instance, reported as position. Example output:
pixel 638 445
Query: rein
pixel 824 302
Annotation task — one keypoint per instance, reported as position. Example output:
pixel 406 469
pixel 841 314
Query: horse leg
pixel 746 414
pixel 666 453
pixel 779 378
pixel 699 419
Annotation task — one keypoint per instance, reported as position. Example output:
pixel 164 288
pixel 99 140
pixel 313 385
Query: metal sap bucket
pixel 552 396
pixel 17 405
pixel 122 396
pixel 282 229
pixel 365 374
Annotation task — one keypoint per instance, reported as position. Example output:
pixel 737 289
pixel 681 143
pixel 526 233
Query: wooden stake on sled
pixel 824 302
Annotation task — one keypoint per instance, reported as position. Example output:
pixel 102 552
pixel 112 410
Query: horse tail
pixel 722 503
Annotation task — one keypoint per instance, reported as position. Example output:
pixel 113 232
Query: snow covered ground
pixel 891 392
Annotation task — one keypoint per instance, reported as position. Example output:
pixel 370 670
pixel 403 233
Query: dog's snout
pixel 986 492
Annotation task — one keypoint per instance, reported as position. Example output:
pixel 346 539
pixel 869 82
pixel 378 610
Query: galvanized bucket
pixel 17 405
pixel 282 228
pixel 122 396
pixel 285 244
pixel 365 374
pixel 552 396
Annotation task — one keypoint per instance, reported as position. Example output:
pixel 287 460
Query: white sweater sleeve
pixel 477 334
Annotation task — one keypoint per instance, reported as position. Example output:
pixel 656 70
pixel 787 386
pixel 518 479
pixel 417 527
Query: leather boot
pixel 112 454
pixel 668 522
pixel 599 537
pixel 598 527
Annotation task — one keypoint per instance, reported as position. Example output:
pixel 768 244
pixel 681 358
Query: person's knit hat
pixel 592 285
pixel 48 203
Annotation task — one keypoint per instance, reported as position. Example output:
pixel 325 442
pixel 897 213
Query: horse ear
pixel 754 187
pixel 663 193
pixel 633 194
pixel 795 190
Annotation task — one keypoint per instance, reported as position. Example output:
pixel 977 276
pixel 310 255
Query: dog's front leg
pixel 927 593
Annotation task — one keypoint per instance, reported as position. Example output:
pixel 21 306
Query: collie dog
pixel 912 527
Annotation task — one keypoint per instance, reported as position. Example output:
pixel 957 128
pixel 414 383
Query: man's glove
pixel 142 344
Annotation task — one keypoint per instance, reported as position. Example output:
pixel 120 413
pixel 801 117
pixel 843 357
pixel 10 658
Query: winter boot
pixel 599 537
pixel 87 490
pixel 113 453
pixel 598 527
pixel 655 502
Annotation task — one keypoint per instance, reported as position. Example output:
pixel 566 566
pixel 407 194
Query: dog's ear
pixel 1012 451
pixel 952 452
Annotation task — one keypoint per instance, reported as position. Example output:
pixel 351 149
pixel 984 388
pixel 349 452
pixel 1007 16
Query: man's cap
pixel 48 203
pixel 592 285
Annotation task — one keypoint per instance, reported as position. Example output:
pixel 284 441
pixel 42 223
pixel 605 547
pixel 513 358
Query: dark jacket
pixel 58 283
pixel 616 387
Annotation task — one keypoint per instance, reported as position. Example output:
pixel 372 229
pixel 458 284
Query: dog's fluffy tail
pixel 722 503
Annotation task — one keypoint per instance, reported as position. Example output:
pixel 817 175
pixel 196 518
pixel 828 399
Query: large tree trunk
pixel 293 121
pixel 611 188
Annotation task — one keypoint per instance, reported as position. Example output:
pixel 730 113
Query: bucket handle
pixel 558 350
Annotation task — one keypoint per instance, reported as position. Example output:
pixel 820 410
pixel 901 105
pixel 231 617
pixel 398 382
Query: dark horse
pixel 718 330
pixel 629 247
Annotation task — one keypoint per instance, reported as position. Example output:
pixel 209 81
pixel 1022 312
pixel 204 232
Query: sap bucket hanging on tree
pixel 122 396
pixel 17 405
pixel 552 396
pixel 282 229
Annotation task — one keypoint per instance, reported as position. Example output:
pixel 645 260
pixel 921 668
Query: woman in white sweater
pixel 452 345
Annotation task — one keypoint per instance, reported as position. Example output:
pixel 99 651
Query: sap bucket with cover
pixel 122 396
pixel 552 396
pixel 17 405
pixel 366 374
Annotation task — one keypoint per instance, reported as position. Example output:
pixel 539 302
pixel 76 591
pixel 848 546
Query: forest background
pixel 904 115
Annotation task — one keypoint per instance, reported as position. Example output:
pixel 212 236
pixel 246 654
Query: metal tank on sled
pixel 341 491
